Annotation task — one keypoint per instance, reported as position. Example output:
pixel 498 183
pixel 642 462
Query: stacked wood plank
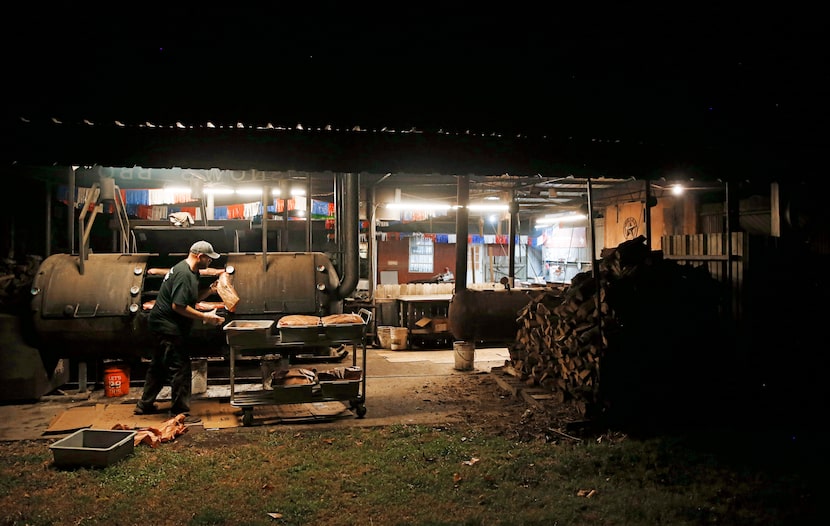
pixel 612 346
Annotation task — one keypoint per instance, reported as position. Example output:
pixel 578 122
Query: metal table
pixel 353 391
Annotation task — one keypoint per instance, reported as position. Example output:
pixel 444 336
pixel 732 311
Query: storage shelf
pixel 413 308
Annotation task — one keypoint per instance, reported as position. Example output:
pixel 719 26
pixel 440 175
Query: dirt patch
pixel 477 400
pixel 482 402
pixel 512 415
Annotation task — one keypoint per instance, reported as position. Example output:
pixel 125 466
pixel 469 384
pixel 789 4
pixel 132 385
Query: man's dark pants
pixel 170 363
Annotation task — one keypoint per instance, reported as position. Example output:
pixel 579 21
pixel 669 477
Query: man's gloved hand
pixel 211 318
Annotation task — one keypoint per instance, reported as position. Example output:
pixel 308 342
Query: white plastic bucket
pixel 385 336
pixel 465 354
pixel 199 371
pixel 399 337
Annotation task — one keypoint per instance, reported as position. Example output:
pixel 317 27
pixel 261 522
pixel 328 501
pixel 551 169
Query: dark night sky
pixel 617 71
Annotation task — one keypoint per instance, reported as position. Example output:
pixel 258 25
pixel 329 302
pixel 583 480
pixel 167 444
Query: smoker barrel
pixel 486 315
pixel 100 311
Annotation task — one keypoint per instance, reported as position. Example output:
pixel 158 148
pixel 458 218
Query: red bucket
pixel 116 380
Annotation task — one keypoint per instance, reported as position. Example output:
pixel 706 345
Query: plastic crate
pixel 93 447
pixel 308 334
pixel 340 390
pixel 292 394
pixel 350 331
pixel 252 333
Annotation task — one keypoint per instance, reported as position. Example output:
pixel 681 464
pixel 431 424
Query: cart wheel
pixel 247 417
pixel 361 411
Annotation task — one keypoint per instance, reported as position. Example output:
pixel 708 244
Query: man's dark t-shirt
pixel 180 286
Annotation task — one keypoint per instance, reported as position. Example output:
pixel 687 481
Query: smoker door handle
pixel 77 314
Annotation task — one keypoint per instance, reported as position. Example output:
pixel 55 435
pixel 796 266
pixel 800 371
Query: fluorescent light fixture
pixel 250 191
pixel 177 189
pixel 418 206
pixel 244 191
pixel 488 207
pixel 573 218
pixel 568 217
pixel 431 205
pixel 219 191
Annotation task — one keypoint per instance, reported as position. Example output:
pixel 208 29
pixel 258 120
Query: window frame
pixel 421 255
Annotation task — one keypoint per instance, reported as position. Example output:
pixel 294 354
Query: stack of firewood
pixel 559 344
pixel 611 346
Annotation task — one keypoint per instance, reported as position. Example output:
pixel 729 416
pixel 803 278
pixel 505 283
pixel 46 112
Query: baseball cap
pixel 203 247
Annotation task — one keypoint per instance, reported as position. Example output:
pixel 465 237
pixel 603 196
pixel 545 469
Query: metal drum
pixel 486 315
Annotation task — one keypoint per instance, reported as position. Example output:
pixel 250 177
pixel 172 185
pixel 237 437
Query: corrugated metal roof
pixel 265 146
pixel 539 171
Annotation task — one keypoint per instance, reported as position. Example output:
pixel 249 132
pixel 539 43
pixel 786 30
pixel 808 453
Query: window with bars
pixel 421 252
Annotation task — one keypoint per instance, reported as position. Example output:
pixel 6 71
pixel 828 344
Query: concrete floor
pixel 391 379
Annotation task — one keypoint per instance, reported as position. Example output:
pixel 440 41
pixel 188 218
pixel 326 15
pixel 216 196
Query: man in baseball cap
pixel 171 322
pixel 203 247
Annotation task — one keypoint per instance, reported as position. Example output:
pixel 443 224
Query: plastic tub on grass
pixel 93 448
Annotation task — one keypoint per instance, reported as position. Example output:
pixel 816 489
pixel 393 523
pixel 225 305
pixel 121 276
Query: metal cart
pixel 254 338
